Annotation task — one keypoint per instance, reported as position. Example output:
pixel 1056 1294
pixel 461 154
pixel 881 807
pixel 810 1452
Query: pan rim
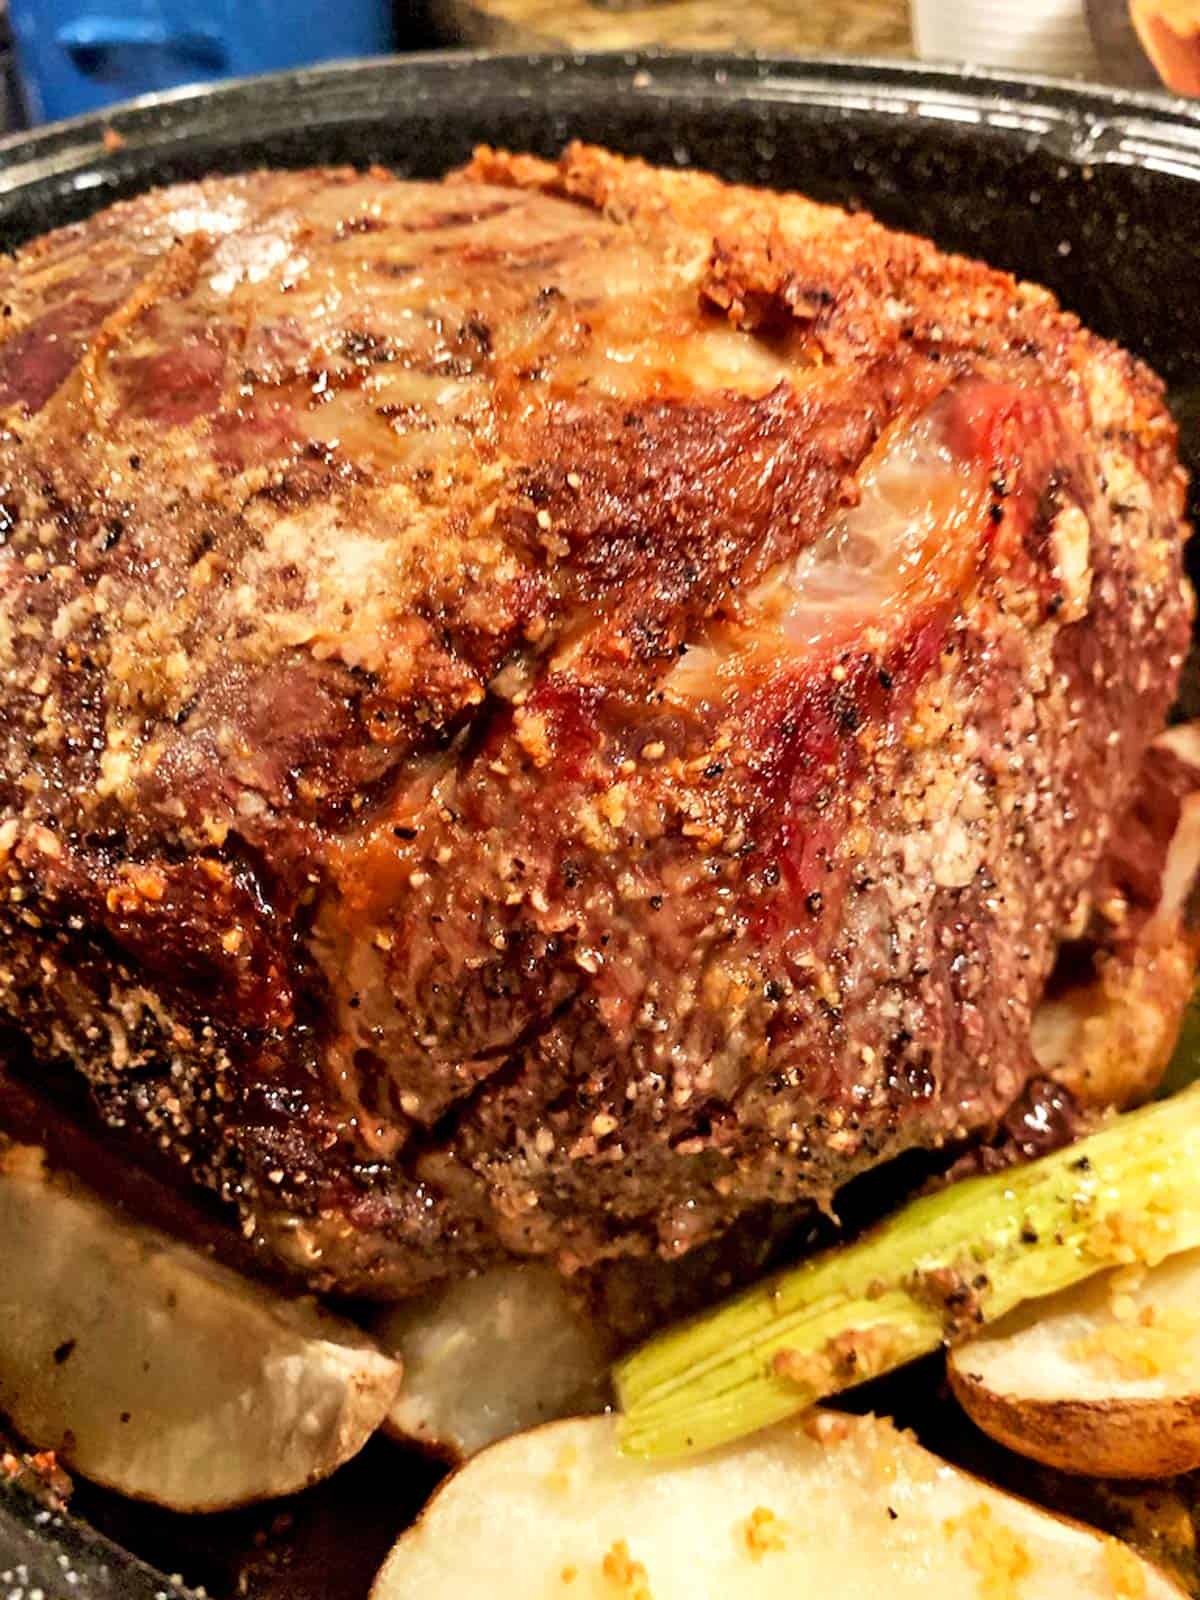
pixel 1061 112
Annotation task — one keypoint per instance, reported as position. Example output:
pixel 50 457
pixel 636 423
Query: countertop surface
pixel 849 27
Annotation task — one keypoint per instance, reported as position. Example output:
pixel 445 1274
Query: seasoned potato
pixel 837 1506
pixel 1103 1379
pixel 159 1373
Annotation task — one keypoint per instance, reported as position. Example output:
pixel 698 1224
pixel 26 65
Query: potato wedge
pixel 490 1356
pixel 837 1506
pixel 159 1373
pixel 1109 1035
pixel 1110 1040
pixel 1102 1379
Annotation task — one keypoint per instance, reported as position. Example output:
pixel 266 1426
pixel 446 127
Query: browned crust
pixel 231 791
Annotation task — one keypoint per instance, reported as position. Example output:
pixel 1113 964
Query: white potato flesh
pixel 1103 1379
pixel 490 1356
pixel 160 1373
pixel 844 1507
pixel 1128 1335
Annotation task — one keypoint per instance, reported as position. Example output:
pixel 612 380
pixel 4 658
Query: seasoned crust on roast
pixel 547 710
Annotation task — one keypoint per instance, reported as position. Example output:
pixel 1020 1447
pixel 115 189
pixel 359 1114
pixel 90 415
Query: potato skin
pixel 1092 1438
pixel 569 1489
pixel 157 1373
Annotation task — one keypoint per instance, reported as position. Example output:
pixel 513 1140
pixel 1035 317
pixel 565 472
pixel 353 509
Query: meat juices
pixel 545 711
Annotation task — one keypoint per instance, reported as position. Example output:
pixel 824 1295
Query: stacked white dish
pixel 1049 36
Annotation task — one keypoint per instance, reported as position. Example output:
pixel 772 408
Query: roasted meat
pixel 547 712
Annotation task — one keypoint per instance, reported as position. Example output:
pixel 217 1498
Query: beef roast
pixel 545 713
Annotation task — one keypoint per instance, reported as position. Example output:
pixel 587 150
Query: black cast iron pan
pixel 1095 193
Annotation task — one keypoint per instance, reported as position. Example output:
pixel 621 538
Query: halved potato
pixel 1103 1379
pixel 155 1371
pixel 835 1506
pixel 492 1355
pixel 1108 1037
pixel 1109 1040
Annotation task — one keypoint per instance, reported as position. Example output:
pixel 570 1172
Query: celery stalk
pixel 929 1275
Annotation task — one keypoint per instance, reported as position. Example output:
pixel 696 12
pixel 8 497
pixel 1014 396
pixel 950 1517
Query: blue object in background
pixel 81 55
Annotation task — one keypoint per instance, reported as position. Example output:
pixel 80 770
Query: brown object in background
pixel 846 27
pixel 1170 32
pixel 1118 48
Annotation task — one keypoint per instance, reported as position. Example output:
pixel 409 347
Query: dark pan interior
pixel 1096 194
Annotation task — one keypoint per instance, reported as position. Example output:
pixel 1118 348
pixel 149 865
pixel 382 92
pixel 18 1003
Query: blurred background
pixel 63 57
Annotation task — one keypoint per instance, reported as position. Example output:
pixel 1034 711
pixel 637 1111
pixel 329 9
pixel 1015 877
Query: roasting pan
pixel 1093 192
